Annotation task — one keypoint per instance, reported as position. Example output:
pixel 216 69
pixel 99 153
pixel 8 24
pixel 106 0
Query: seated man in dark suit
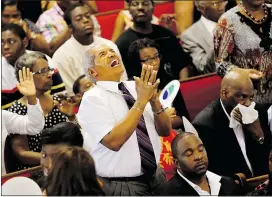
pixel 192 177
pixel 244 147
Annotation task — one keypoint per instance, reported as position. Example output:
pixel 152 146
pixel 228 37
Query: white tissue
pixel 249 115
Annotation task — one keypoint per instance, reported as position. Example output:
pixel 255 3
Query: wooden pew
pixel 24 173
pixel 249 185
pixel 200 91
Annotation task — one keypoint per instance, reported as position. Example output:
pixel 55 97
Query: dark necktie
pixel 148 160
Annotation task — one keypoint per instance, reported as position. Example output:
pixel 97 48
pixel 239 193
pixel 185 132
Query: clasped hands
pixel 147 85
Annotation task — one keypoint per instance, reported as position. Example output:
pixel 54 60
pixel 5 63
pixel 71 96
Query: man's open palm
pixel 26 85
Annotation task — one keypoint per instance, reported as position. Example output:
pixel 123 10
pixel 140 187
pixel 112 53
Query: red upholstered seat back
pixel 164 8
pixel 106 22
pixel 199 92
pixel 104 6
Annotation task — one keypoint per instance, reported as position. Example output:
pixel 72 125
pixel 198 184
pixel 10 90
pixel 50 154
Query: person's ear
pixel 176 163
pixel 25 42
pixel 92 72
pixel 200 8
pixel 224 93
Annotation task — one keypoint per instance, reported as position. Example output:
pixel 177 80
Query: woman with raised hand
pixel 56 109
pixel 30 124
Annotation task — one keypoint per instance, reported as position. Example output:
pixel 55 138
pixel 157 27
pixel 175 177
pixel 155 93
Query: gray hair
pixel 89 61
pixel 200 3
pixel 28 60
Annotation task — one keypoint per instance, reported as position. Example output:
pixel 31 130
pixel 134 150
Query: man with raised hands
pixel 123 122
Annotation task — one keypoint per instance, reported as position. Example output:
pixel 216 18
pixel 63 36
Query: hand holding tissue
pixel 247 117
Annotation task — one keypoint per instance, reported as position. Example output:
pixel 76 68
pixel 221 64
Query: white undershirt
pixel 239 133
pixel 214 183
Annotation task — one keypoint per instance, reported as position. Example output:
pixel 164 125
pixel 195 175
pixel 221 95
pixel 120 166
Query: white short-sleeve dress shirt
pixel 102 107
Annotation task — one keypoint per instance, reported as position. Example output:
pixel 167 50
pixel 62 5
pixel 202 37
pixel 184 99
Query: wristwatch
pixel 260 140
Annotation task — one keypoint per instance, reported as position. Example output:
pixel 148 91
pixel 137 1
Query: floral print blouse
pixel 239 41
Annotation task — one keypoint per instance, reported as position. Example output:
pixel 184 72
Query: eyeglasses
pixel 44 72
pixel 151 59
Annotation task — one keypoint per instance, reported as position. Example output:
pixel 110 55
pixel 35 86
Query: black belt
pixel 142 178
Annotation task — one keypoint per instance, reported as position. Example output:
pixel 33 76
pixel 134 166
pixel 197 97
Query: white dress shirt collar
pixel 239 133
pixel 210 25
pixel 213 180
pixel 108 86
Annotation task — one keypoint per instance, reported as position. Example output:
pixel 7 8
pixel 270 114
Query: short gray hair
pixel 28 60
pixel 89 60
pixel 200 2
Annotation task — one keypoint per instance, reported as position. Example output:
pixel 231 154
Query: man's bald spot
pixel 175 142
pixel 236 80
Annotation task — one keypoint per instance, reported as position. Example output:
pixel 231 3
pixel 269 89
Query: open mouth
pixel 114 63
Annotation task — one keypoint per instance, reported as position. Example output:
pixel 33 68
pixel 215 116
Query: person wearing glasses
pixel 26 149
pixel 147 52
pixel 13 44
pixel 200 46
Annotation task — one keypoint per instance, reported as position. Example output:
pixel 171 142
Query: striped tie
pixel 148 160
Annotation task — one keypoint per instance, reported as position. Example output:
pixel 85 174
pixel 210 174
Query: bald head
pixel 190 155
pixel 236 79
pixel 175 142
pixel 236 87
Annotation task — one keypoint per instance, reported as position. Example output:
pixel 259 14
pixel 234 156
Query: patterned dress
pixel 239 41
pixel 34 141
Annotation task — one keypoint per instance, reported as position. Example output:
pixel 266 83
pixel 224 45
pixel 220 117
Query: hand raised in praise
pixel 66 105
pixel 147 84
pixel 26 85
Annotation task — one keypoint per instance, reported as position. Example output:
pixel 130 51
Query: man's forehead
pixel 80 10
pixel 97 50
pixel 189 141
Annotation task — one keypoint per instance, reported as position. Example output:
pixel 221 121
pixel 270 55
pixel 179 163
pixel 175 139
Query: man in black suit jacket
pixel 192 177
pixel 238 150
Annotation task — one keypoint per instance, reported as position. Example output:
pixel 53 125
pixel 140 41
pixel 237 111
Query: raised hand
pixel 66 105
pixel 254 74
pixel 26 85
pixel 147 84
